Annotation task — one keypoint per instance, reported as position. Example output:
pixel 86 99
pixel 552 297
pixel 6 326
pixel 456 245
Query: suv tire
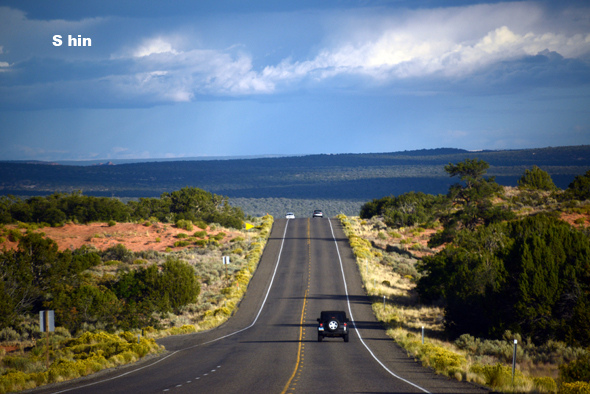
pixel 333 325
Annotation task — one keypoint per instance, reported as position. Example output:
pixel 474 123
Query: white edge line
pixel 204 343
pixel 354 324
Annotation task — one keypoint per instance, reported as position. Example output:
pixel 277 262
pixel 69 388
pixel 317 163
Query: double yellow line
pixel 299 352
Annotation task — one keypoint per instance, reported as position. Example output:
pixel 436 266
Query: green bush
pixel 201 224
pixel 580 187
pixel 577 370
pixel 498 375
pixel 118 252
pixel 14 235
pixel 536 179
pixel 219 236
pixel 185 224
pixel 574 388
pixel 441 359
pixel 200 234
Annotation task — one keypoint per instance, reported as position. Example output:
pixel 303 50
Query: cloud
pixel 476 46
pixel 156 45
pixel 180 75
pixel 429 43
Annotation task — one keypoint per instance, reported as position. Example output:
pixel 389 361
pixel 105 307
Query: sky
pixel 216 78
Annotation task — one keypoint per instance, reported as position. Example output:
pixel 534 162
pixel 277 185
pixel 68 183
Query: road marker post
pixel 47 325
pixel 225 264
pixel 514 361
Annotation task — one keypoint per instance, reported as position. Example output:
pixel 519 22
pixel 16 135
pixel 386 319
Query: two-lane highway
pixel 270 344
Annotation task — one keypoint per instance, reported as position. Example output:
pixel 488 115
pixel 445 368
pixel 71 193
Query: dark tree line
pixel 530 276
pixel 188 203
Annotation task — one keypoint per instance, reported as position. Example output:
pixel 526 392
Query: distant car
pixel 318 213
pixel 290 215
pixel 333 324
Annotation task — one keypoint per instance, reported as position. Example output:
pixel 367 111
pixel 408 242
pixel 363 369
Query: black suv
pixel 333 324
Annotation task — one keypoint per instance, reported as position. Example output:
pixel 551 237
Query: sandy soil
pixel 135 237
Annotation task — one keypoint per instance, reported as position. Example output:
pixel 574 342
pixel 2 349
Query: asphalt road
pixel 270 344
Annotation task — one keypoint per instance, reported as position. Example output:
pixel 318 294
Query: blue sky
pixel 232 78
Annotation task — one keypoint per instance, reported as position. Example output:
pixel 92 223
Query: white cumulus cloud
pixel 440 42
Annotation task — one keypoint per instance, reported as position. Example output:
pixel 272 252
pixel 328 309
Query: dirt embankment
pixel 135 237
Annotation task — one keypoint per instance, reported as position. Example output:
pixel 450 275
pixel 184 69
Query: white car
pixel 290 215
pixel 318 213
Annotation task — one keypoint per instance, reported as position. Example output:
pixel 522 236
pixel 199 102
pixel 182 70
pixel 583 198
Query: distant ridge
pixel 100 162
pixel 430 152
pixel 350 176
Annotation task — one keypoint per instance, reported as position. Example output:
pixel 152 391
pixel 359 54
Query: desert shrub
pixel 441 359
pixel 577 370
pixel 498 375
pixel 407 209
pixel 185 329
pixel 181 235
pixel 111 223
pixel 14 235
pixel 201 224
pixel 118 252
pixel 405 269
pixel 219 236
pixel 185 224
pixel 545 384
pixel 200 234
pixel 574 388
pixel 9 334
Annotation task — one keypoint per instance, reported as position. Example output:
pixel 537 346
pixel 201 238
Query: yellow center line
pixel 301 330
pixel 299 349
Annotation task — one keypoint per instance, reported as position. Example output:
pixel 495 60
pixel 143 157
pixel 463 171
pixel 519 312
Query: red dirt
pixel 9 349
pixel 572 217
pixel 135 237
